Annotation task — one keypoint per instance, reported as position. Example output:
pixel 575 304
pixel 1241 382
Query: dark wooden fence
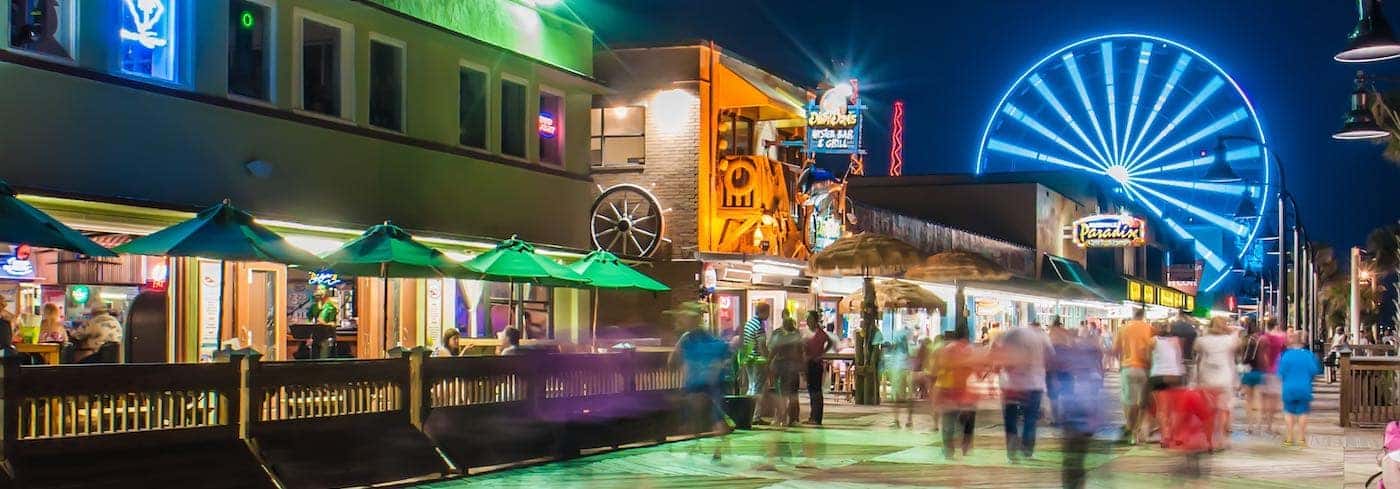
pixel 1370 392
pixel 332 423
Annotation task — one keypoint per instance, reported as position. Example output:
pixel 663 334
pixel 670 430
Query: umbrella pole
pixel 593 324
pixel 384 276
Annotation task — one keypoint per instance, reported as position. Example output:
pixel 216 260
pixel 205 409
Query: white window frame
pixel 347 65
pixel 403 80
pixel 560 126
pixel 271 59
pixel 529 121
pixel 71 33
pixel 484 71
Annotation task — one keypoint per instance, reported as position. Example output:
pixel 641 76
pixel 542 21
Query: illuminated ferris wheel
pixel 1138 113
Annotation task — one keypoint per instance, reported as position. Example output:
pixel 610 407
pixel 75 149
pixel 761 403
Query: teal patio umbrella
pixel 605 271
pixel 387 251
pixel 225 233
pixel 22 223
pixel 514 261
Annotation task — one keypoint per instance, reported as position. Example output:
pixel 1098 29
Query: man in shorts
pixel 1133 347
pixel 1271 346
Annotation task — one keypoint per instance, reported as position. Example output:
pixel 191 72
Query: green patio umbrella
pixel 387 251
pixel 22 223
pixel 514 261
pixel 605 271
pixel 225 233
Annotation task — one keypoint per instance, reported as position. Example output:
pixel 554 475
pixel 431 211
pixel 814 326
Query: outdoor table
pixel 47 351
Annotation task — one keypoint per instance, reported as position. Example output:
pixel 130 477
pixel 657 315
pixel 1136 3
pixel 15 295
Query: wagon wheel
pixel 626 220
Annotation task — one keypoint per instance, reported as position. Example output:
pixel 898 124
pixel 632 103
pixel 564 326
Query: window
pixel 513 118
pixel 386 73
pixel 148 38
pixel 471 107
pixel 43 26
pixel 324 79
pixel 735 135
pixel 551 128
pixel 534 304
pixel 618 136
pixel 249 53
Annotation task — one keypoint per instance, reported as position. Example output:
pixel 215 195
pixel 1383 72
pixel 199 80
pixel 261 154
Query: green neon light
pixel 246 19
pixel 520 26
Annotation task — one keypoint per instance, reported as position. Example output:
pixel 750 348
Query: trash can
pixel 740 409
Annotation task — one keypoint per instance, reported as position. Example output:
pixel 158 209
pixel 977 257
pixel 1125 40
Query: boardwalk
pixel 858 449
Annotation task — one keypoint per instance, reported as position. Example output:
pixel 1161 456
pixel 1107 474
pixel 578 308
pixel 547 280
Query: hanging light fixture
pixel 1358 122
pixel 1220 171
pixel 1246 210
pixel 1372 40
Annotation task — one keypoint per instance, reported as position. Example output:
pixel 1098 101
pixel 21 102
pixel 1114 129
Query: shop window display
pixel 148 38
pixel 42 27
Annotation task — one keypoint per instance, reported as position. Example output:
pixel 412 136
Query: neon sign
pixel 79 294
pixel 547 127
pixel 146 38
pixel 1110 231
pixel 834 123
pixel 17 265
pixel 324 278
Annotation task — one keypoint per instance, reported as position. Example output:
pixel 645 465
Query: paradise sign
pixel 1110 231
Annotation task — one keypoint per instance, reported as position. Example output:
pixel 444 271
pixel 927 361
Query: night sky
pixel 950 61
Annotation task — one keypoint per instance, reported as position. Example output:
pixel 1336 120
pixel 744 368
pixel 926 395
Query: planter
pixel 740 409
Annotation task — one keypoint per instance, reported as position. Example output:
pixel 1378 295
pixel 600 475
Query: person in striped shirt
pixel 753 354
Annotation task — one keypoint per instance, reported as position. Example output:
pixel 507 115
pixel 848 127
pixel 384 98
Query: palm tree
pixel 1390 121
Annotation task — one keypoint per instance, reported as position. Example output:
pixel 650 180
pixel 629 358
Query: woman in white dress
pixel 1215 373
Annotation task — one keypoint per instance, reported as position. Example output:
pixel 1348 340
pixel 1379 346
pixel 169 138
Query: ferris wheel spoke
pixel 1177 70
pixel 1083 92
pixel 1014 150
pixel 1144 59
pixel 1219 188
pixel 1200 98
pixel 1220 124
pixel 1044 90
pixel 1018 115
pixel 1239 154
pixel 1211 217
pixel 1110 87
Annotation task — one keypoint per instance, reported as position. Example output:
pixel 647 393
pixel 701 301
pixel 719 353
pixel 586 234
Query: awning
pixel 743 85
pixel 1046 289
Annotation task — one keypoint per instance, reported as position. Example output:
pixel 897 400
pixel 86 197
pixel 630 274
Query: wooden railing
pixel 1370 394
pixel 56 411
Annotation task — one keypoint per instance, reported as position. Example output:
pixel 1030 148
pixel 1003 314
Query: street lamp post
pixel 1354 309
pixel 1289 315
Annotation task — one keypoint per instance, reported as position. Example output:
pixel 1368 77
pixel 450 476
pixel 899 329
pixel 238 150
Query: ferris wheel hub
pixel 1119 174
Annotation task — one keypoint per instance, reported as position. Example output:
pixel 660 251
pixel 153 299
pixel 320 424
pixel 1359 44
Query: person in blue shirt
pixel 1296 369
pixel 703 358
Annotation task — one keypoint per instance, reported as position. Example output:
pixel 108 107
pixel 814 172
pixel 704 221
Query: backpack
pixel 1251 351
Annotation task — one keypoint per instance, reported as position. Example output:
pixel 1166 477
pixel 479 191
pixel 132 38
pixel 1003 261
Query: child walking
pixel 1296 369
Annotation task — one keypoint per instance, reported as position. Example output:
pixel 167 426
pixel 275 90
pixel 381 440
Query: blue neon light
pixel 147 38
pixel 1200 98
pixel 1136 145
pixel 1144 59
pixel 1084 98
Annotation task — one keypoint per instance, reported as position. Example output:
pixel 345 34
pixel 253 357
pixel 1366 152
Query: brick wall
pixel 671 171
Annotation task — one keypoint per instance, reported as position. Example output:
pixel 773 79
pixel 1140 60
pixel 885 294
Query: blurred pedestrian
pixel 1216 375
pixel 753 357
pixel 957 361
pixel 1022 354
pixel 702 358
pixel 817 344
pixel 1166 373
pixel 1296 369
pixel 1133 346
pixel 1081 407
pixel 1184 328
pixel 1060 337
pixel 895 364
pixel 787 361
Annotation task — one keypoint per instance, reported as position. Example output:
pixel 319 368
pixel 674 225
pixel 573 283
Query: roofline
pixel 702 43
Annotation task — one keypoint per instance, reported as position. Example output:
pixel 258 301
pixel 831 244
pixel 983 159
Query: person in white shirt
pixel 1216 373
pixel 1024 352
pixel 1166 371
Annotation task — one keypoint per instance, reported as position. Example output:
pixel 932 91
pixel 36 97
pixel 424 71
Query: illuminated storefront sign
pixel 147 38
pixel 1146 293
pixel 1109 231
pixel 17 264
pixel 324 278
pixel 834 124
pixel 547 126
pixel 79 294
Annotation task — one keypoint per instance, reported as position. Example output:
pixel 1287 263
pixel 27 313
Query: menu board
pixel 211 281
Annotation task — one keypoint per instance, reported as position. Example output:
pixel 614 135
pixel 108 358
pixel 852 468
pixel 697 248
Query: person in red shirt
pixel 1271 346
pixel 818 343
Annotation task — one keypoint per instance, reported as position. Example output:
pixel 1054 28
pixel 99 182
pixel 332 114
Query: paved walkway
pixel 858 449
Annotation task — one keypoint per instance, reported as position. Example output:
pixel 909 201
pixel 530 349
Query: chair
pixel 110 352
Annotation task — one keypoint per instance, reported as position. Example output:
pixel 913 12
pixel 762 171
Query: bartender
pixel 324 311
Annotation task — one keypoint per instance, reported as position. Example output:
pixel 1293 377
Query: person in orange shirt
pixel 1133 347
